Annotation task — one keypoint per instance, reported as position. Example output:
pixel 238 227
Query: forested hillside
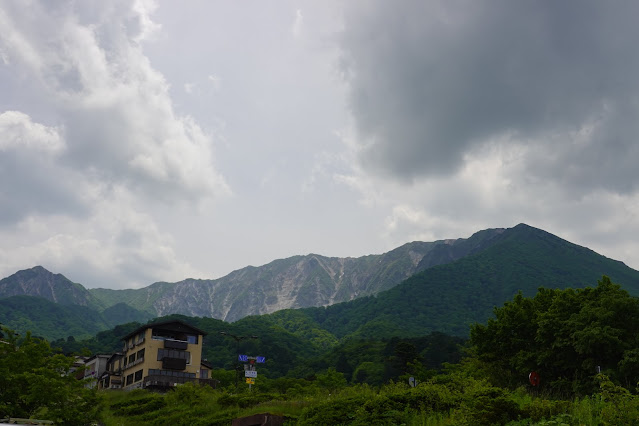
pixel 582 344
pixel 53 321
pixel 449 298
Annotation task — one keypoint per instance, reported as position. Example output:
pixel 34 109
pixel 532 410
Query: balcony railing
pixel 134 363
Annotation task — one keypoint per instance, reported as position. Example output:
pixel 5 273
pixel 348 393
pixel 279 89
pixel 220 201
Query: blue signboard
pixel 260 359
pixel 243 358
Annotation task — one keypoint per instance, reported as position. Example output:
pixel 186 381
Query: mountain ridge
pixel 307 281
pixel 294 282
pixel 449 297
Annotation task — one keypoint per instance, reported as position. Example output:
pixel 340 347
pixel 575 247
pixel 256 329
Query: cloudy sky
pixel 143 141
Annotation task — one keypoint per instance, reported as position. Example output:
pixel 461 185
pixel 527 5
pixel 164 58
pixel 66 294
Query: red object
pixel 533 377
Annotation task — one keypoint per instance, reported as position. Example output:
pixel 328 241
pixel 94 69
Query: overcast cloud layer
pixel 144 141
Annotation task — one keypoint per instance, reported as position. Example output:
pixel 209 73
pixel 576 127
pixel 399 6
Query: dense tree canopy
pixel 567 336
pixel 34 382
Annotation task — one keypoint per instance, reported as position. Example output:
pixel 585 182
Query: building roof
pixel 175 325
pixel 96 356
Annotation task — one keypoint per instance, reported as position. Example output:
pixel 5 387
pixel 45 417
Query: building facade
pixel 112 376
pixel 162 355
pixel 93 369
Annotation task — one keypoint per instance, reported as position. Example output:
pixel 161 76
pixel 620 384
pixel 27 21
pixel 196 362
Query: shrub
pixel 340 411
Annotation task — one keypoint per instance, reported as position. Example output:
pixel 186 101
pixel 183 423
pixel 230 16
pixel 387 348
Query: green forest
pixel 582 343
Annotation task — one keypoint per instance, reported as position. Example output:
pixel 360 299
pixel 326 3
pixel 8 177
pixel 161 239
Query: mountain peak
pixel 38 281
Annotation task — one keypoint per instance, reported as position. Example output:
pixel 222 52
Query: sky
pixel 145 141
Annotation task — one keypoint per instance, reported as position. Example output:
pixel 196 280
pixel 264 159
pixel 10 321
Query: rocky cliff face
pixel 296 282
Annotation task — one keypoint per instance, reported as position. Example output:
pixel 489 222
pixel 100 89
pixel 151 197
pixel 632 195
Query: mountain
pixel 295 282
pixel 446 285
pixel 51 320
pixel 449 297
pixel 38 281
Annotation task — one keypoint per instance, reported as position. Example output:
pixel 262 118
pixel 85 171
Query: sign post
pixel 250 372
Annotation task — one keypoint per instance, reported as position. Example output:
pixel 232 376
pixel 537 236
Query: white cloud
pixel 76 195
pixel 20 132
pixel 216 82
pixel 117 246
pixel 115 106
pixel 298 23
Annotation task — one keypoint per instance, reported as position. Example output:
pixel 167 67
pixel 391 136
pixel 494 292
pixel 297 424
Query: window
pixel 170 353
pixel 140 354
pixel 138 375
pixel 129 379
pixel 191 339
pixel 131 358
pixel 204 374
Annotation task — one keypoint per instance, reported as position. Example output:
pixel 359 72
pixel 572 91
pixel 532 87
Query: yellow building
pixel 162 355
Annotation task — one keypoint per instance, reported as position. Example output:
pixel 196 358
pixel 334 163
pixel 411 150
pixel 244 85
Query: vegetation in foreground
pixel 583 343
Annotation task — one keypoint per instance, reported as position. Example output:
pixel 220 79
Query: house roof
pixel 175 325
pixel 96 356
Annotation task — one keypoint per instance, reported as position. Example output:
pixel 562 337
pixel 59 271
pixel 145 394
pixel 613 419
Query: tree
pixel 567 336
pixel 332 380
pixel 34 382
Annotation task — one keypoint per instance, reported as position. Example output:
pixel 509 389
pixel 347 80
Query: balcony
pixel 173 363
pixel 134 363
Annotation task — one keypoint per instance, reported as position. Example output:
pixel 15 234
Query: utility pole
pixel 237 339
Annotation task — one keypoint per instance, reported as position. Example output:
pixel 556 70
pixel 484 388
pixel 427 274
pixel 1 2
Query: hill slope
pixel 48 319
pixel 37 281
pixel 299 281
pixel 52 320
pixel 450 297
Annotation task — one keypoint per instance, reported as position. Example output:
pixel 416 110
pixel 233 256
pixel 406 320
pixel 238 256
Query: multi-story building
pixel 162 355
pixel 93 369
pixel 112 376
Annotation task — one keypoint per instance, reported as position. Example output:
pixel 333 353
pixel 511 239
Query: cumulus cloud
pixel 20 132
pixel 117 246
pixel 431 81
pixel 116 108
pixel 97 142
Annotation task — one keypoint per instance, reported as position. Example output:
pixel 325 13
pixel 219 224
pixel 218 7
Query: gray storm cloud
pixel 429 82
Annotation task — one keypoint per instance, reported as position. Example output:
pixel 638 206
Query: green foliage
pixel 48 319
pixel 104 342
pixel 450 297
pixel 34 381
pixel 621 408
pixel 148 402
pixel 338 411
pixel 564 335
pixel 332 380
